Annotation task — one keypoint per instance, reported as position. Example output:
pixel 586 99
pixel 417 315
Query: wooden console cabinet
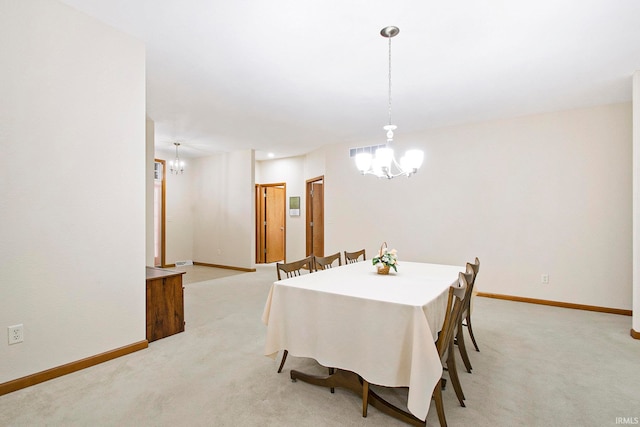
pixel 165 303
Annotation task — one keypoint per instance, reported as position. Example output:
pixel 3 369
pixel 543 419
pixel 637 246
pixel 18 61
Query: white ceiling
pixel 288 76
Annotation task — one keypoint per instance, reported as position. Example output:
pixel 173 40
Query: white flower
pixel 387 258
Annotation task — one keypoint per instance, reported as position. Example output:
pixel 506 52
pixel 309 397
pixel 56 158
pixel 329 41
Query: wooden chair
pixel 467 314
pixel 472 269
pixel 463 279
pixel 444 345
pixel 351 257
pixel 293 269
pixel 324 262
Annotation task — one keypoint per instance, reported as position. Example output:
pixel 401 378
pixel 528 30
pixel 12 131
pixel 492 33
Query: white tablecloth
pixel 381 327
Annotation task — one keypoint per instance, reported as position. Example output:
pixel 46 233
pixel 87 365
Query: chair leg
pixel 471 331
pixel 331 371
pixel 365 397
pixel 284 358
pixel 463 349
pixel 437 396
pixel 453 374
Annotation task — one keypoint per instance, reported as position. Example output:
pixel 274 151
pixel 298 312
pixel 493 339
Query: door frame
pixel 308 213
pixel 260 218
pixel 163 212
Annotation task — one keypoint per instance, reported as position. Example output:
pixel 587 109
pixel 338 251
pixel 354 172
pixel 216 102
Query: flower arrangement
pixel 386 259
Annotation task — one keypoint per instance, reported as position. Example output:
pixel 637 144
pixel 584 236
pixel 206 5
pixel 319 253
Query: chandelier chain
pixel 390 80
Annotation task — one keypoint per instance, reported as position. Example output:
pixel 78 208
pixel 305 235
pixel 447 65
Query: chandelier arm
pixel 388 173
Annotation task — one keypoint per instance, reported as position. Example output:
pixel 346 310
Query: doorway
pixel 315 216
pixel 159 191
pixel 270 222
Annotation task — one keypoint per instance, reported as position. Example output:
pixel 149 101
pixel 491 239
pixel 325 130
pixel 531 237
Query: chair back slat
pixel 351 257
pixel 475 266
pixel 324 262
pixel 294 268
pixel 471 274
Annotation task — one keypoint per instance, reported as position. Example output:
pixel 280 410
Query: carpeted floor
pixel 202 273
pixel 538 366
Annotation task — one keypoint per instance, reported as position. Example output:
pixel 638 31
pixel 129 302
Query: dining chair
pixel 444 345
pixel 324 262
pixel 450 364
pixel 293 269
pixel 467 313
pixel 351 257
pixel 471 269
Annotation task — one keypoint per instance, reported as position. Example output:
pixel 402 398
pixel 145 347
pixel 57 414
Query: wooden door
pixel 274 227
pixel 270 222
pixel 159 191
pixel 315 216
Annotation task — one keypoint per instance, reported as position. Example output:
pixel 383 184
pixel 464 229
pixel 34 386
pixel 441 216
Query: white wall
pixel 289 170
pixel 179 212
pixel 549 193
pixel 210 210
pixel 72 214
pixel 224 209
pixel 315 163
pixel 543 194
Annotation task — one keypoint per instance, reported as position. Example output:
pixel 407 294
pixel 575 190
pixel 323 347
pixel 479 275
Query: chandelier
pixel 384 164
pixel 176 166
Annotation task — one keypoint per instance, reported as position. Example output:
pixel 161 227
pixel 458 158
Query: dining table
pixel 371 328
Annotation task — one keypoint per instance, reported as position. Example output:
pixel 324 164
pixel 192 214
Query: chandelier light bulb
pixel 363 161
pixel 385 157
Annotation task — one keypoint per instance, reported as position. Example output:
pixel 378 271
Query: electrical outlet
pixel 15 333
pixel 545 279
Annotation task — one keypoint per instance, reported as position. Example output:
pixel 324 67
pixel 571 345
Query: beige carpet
pixel 538 366
pixel 202 273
